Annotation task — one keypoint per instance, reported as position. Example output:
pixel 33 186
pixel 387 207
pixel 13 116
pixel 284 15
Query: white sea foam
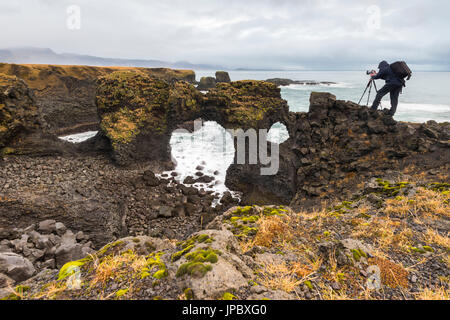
pixel 79 137
pixel 210 147
pixel 278 133
pixel 307 87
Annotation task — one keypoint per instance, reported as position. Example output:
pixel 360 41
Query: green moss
pixel 341 209
pixel 428 248
pixel 358 254
pixel 160 274
pixel 244 219
pixel 418 250
pixel 177 255
pixel 195 269
pixel 229 296
pixel 391 190
pixel 245 103
pixel 188 245
pixel 188 294
pixel 309 284
pixel 110 248
pixel 70 268
pixel 199 263
pixel 121 293
pixel 252 283
pixel 341 277
pixel 439 187
pixel 208 255
pixel 155 267
pixel 278 211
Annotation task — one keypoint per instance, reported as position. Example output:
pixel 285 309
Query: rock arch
pixel 138 113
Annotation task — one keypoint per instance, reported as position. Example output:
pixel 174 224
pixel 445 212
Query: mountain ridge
pixel 33 55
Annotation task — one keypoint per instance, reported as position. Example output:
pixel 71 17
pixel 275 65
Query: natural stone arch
pixel 138 113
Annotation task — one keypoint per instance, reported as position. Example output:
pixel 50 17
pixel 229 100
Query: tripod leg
pixel 370 92
pixel 367 87
pixel 376 89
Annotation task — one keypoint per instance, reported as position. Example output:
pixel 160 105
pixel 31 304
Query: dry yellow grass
pixel 425 203
pixel 271 229
pixel 52 290
pixel 287 277
pixel 433 237
pixel 279 277
pixel 386 232
pixel 115 266
pixel 439 294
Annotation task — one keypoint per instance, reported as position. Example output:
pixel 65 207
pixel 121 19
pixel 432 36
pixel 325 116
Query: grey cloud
pixel 325 34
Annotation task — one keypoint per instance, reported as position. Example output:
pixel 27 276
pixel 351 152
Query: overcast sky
pixel 302 34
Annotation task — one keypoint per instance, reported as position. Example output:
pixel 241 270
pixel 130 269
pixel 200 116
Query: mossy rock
pixel 18 111
pixel 392 189
pixel 155 267
pixel 71 267
pixel 199 263
pixel 246 104
pixel 188 245
pixel 138 113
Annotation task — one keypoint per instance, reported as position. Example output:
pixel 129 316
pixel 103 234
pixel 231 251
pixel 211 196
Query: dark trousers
pixel 394 90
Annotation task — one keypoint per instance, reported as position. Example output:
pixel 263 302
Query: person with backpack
pixel 394 76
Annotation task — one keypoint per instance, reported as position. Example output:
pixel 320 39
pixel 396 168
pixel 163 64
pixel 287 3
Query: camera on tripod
pixel 369 87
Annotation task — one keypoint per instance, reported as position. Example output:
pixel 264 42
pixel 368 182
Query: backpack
pixel 401 70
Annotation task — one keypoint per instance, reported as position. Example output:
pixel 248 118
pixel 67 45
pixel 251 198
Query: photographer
pixel 394 86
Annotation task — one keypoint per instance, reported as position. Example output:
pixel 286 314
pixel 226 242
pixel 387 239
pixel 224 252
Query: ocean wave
pixel 306 87
pixel 422 107
pixel 79 137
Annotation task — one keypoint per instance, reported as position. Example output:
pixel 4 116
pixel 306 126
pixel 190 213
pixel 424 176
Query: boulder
pixel 206 83
pixel 18 111
pixel 60 228
pixel 16 267
pixel 5 282
pixel 222 76
pixel 139 121
pixel 165 212
pixel 229 273
pixel 245 104
pixel 150 179
pixel 47 226
pixel 67 252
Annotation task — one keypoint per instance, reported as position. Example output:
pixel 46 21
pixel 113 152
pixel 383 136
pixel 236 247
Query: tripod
pixel 369 87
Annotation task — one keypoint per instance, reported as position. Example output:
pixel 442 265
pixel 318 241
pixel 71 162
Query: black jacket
pixel 387 74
